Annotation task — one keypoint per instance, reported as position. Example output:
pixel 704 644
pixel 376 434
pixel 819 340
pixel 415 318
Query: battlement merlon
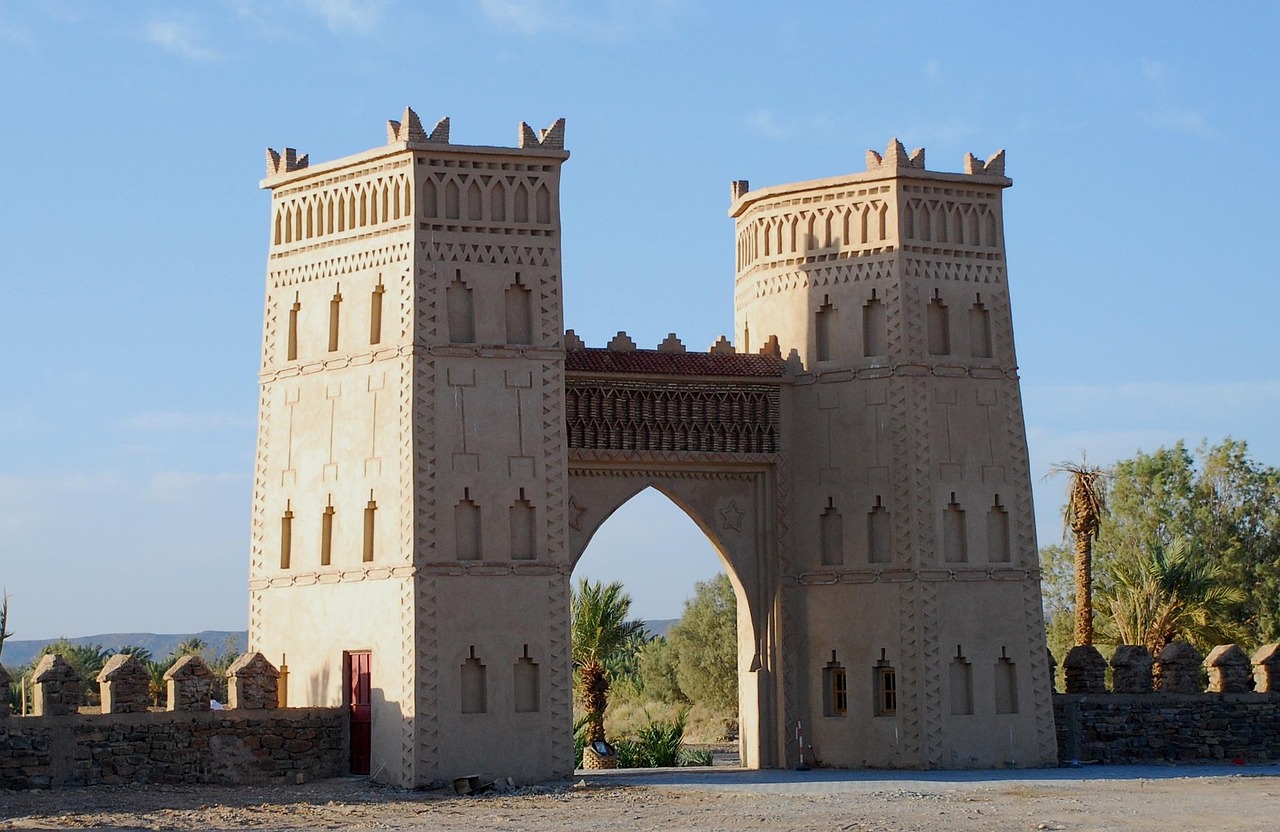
pixel 894 163
pixel 408 134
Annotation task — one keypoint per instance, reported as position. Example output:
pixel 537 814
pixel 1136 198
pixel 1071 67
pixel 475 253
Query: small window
pixel 292 343
pixel 375 313
pixel 835 683
pixel 370 518
pixel 286 539
pixel 886 686
pixel 326 536
pixel 335 308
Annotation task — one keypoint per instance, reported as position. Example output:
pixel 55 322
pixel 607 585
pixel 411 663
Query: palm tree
pixel 1170 594
pixel 1082 515
pixel 4 621
pixel 601 633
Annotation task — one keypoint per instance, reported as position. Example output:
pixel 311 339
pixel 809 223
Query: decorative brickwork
pixel 190 684
pixel 1178 669
pixel 252 683
pixel 1131 669
pixel 1230 670
pixel 1085 670
pixel 699 417
pixel 1266 669
pixel 124 684
pixel 57 687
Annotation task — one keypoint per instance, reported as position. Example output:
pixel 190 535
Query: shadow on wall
pixel 318 689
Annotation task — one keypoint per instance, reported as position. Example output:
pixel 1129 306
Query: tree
pixel 1223 504
pixel 705 640
pixel 1082 516
pixel 1171 594
pixel 658 663
pixel 4 622
pixel 87 661
pixel 600 632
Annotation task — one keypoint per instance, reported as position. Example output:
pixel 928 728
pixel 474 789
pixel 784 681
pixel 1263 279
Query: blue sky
pixel 1140 137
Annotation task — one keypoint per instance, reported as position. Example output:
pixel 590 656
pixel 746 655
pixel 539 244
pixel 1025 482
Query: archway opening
pixel 688 663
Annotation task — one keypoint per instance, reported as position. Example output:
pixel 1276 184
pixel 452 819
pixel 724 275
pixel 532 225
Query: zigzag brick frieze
pixel 428 680
pixel 931 662
pixel 510 255
pixel 560 697
pixel 948 270
pixel 555 468
pixel 637 470
pixel 355 261
pixel 910 676
pixel 672 417
pixel 424 442
pixel 408 667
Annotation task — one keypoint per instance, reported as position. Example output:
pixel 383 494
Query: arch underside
pixel 735 507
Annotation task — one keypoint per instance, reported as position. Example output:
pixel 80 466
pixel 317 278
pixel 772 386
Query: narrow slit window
pixel 961 685
pixel 955 547
pixel 286 539
pixel 522 529
pixel 462 327
pixel 939 327
pixel 1006 683
pixel 335 310
pixel 980 330
pixel 326 536
pixel 526 684
pixel 823 324
pixel 835 684
pixel 292 342
pixel 878 530
pixel 831 535
pixel 519 308
pixel 370 521
pixel 998 533
pixel 375 313
pixel 885 677
pixel 474 695
pixel 466 522
pixel 873 328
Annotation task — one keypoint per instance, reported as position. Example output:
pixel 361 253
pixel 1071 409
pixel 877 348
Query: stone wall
pixel 1121 728
pixel 226 747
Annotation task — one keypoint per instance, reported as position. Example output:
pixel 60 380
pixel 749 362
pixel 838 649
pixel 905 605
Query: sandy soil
pixel 1165 801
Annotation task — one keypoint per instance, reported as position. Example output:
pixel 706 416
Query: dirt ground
pixel 1114 799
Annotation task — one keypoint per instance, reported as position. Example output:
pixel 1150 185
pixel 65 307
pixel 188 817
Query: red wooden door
pixel 359 699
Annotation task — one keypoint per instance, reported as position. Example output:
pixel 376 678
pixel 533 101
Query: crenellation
pixel 125 685
pixel 288 162
pixel 671 344
pixel 622 343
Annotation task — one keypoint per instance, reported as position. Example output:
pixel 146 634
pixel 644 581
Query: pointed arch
pixel 498 201
pixel 521 203
pixel 430 202
pixel 475 202
pixel 542 204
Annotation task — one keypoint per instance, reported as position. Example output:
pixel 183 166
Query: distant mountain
pixel 17 653
pixel 659 626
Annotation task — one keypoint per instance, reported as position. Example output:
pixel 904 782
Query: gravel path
pixel 1129 798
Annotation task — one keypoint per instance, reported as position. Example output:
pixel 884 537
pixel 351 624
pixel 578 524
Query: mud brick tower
pixel 435 452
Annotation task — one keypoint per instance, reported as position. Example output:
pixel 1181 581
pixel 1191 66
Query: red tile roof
pixel 652 362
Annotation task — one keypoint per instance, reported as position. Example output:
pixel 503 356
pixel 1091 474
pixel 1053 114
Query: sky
pixel 133 235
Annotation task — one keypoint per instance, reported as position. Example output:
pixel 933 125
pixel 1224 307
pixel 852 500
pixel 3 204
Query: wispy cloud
pixel 598 20
pixel 1155 72
pixel 16 35
pixel 766 123
pixel 179 486
pixel 348 16
pixel 176 422
pixel 181 39
pixel 1182 120
pixel 528 17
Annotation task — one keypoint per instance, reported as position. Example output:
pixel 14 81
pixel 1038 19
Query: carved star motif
pixel 731 517
pixel 575 514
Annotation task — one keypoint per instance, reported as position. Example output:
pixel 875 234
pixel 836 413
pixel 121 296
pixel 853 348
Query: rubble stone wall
pixel 225 747
pixel 1181 728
